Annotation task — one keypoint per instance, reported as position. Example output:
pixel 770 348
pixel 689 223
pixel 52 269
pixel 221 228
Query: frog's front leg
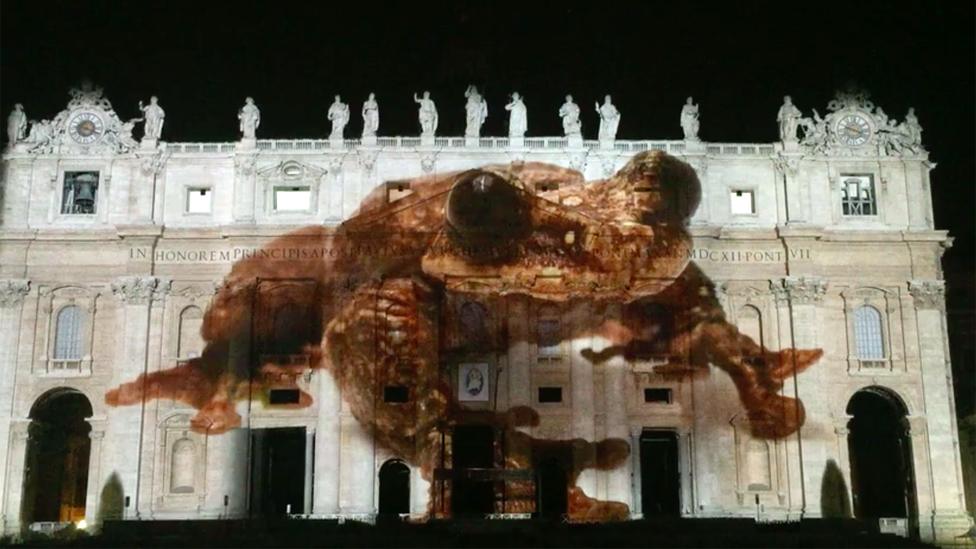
pixel 384 340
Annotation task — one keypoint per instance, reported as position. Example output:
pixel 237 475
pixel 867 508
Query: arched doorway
pixel 394 488
pixel 882 476
pixel 551 486
pixel 56 470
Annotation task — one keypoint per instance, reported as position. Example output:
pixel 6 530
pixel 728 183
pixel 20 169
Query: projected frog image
pixel 422 282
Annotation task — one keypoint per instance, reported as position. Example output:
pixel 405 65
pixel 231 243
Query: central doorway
pixel 472 458
pixel 551 488
pixel 660 483
pixel 277 471
pixel 882 476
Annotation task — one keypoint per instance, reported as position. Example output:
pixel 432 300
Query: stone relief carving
pixel 245 163
pixel 291 170
pixel 854 125
pixel 928 294
pixel 428 161
pixel 153 164
pixel 800 290
pixel 88 124
pixel 339 116
pixel 367 160
pixel 138 290
pixel 13 291
pixel 786 165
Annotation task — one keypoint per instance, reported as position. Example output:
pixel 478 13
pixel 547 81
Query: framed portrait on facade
pixel 473 382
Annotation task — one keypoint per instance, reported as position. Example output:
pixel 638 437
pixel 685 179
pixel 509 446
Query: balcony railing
pixel 482 143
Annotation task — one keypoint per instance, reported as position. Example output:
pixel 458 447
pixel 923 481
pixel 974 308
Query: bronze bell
pixel 85 199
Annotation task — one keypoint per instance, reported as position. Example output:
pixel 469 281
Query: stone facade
pixel 795 255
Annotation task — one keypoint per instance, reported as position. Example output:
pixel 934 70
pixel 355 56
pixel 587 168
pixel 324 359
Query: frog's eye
pixel 483 205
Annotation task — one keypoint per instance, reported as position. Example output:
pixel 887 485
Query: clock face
pixel 86 128
pixel 853 130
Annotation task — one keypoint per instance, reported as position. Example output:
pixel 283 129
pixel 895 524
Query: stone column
pixel 327 445
pixel 583 407
pixel 12 293
pixel 949 517
pixel 637 509
pixel 309 468
pixel 803 295
pixel 616 392
pixel 124 427
pixel 13 495
pixel 519 355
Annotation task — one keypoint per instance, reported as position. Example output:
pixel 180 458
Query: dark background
pixel 736 59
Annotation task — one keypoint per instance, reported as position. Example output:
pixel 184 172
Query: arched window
pixel 868 338
pixel 191 343
pixel 750 324
pixel 182 467
pixel 67 337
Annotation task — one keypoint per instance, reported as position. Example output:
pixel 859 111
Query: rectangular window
pixel 742 202
pixel 80 193
pixel 198 200
pixel 550 394
pixel 657 395
pixel 857 195
pixel 292 199
pixel 284 396
pixel 395 394
pixel 549 339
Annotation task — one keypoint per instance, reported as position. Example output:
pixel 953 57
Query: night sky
pixel 736 59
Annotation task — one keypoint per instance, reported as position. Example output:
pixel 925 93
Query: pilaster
pixel 136 295
pixel 12 294
pixel 949 517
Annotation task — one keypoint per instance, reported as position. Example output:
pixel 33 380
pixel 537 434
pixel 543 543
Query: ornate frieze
pixel 137 290
pixel 12 291
pixel 928 294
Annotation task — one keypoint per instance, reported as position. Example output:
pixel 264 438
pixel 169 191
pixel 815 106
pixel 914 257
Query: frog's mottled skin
pixel 375 307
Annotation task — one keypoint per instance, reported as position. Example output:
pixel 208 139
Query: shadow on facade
pixel 834 499
pixel 111 501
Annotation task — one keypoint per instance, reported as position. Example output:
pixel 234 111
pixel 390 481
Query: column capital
pixel 804 290
pixel 928 294
pixel 13 291
pixel 140 290
pixel 787 164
